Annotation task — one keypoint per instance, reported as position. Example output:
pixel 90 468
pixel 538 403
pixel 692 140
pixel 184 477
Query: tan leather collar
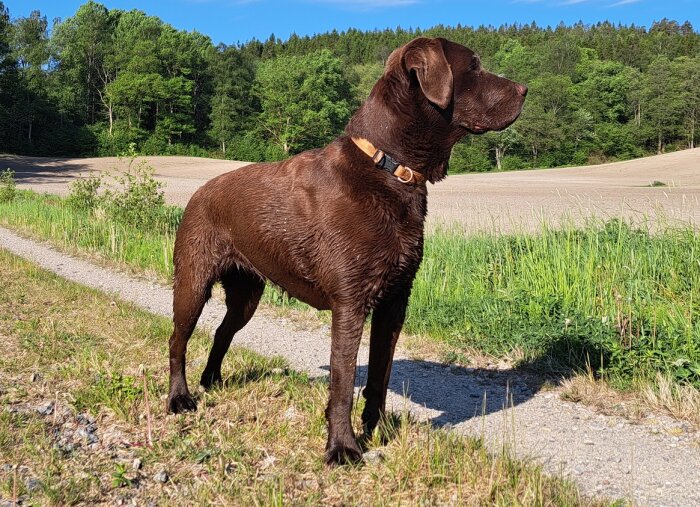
pixel 402 173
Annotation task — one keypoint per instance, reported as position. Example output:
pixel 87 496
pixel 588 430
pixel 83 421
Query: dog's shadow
pixel 455 394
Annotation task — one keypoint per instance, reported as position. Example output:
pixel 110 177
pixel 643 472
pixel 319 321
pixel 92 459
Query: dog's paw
pixel 342 454
pixel 370 421
pixel 210 379
pixel 181 403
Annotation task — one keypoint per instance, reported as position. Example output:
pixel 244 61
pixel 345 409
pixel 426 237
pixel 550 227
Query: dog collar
pixel 386 162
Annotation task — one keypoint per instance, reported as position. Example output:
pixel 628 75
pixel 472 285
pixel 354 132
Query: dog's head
pixel 433 93
pixel 451 78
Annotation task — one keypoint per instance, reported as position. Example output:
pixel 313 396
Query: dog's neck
pixel 407 127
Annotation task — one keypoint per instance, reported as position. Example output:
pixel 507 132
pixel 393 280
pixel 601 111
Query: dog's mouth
pixel 477 129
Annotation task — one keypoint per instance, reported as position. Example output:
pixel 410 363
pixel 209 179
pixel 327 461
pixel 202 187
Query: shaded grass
pixel 258 441
pixel 609 296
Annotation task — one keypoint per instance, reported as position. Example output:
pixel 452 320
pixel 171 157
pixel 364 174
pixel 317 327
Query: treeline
pixel 104 80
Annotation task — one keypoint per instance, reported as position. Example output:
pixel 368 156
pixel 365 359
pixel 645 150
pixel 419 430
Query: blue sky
pixel 232 21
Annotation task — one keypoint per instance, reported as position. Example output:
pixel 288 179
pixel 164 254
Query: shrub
pixel 84 193
pixel 467 157
pixel 513 163
pixel 137 198
pixel 8 185
pixel 132 197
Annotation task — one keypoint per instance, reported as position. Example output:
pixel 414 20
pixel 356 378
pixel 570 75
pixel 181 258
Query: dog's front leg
pixel 346 332
pixel 387 321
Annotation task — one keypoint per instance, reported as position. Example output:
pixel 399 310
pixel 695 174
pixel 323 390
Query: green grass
pixel 619 299
pixel 257 441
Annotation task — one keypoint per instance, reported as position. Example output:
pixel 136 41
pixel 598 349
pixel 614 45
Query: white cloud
pixel 623 2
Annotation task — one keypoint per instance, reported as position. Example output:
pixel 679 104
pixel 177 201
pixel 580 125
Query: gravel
pixel 653 462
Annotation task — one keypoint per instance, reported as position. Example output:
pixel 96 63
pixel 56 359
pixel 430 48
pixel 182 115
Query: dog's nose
pixel 522 89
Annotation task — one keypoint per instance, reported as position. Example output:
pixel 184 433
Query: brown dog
pixel 340 228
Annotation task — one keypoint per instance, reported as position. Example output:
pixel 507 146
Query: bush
pixel 249 147
pixel 513 163
pixel 467 157
pixel 8 186
pixel 84 193
pixel 138 199
pixel 131 196
pixel 110 145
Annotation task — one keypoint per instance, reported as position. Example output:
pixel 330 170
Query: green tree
pixel 500 143
pixel 688 72
pixel 304 100
pixel 663 101
pixel 82 45
pixel 232 102
pixel 31 51
pixel 7 73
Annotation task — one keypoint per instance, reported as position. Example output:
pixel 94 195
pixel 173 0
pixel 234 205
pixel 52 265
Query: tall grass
pixel 619 299
pixel 51 218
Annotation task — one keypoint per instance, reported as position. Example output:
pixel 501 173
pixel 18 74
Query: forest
pixel 104 81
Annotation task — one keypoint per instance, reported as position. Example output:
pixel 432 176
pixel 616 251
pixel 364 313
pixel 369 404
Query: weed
pixel 83 194
pixel 8 186
pixel 131 197
pixel 118 392
pixel 119 478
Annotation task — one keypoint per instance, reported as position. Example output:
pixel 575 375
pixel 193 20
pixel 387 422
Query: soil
pixel 663 188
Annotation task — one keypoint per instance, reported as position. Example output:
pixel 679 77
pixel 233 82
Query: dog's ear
pixel 427 58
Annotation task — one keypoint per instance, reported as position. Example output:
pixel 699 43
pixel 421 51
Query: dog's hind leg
pixel 190 293
pixel 387 321
pixel 243 290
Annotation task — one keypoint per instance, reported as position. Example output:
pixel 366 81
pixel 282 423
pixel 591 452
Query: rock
pixel 290 414
pixel 46 408
pixel 137 464
pixel 33 484
pixel 267 462
pixel 373 457
pixel 161 477
pixel 85 419
pixel 277 371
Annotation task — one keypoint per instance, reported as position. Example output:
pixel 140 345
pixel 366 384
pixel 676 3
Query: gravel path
pixel 655 462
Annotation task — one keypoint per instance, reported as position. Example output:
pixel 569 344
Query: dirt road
pixel 493 201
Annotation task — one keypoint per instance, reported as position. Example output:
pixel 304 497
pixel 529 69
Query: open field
pixel 491 201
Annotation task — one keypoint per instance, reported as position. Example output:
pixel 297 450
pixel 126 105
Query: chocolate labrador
pixel 340 227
